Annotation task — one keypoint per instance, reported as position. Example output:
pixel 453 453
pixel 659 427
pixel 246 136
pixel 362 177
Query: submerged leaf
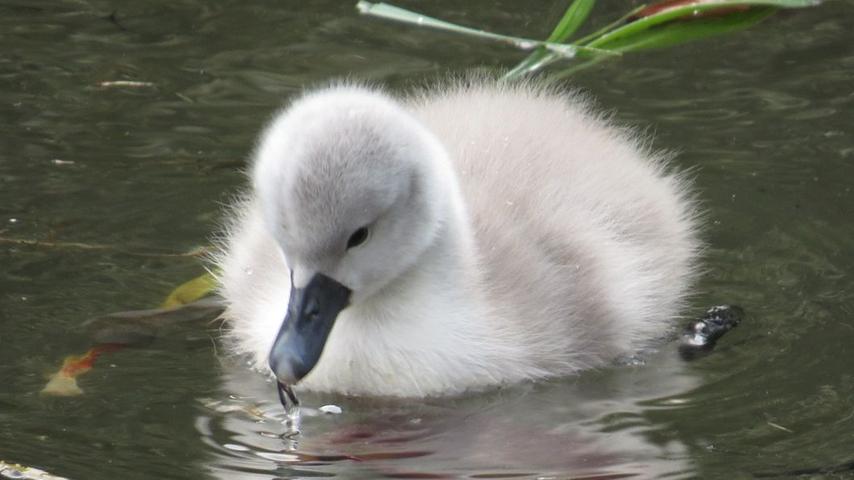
pixel 134 329
pixel 63 383
pixel 190 291
pixel 59 385
pixel 140 327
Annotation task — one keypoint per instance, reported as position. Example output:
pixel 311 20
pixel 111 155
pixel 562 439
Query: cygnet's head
pixel 353 190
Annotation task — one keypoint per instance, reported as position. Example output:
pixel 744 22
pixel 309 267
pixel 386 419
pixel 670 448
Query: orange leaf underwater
pixel 64 382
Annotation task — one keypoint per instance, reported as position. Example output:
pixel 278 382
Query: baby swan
pixel 478 235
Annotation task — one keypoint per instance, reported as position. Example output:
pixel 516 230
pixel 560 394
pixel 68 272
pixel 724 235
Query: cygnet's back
pixel 583 236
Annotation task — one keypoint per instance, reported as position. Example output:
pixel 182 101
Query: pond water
pixel 136 172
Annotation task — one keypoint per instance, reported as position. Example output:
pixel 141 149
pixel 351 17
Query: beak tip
pixel 283 371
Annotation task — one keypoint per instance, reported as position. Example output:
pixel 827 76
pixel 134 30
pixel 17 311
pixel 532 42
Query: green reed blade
pixel 669 27
pixel 675 33
pixel 384 10
pixel 572 19
pixel 686 12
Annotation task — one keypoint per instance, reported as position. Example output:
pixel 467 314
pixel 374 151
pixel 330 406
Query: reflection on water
pixel 101 173
pixel 592 427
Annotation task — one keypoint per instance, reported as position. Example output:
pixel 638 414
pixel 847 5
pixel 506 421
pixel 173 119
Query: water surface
pixel 762 117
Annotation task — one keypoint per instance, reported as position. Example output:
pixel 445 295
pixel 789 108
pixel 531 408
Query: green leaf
pixel 670 24
pixel 686 12
pixel 574 16
pixel 611 26
pixel 680 24
pixel 675 33
pixel 539 59
pixel 569 23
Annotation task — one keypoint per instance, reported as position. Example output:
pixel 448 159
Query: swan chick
pixel 459 239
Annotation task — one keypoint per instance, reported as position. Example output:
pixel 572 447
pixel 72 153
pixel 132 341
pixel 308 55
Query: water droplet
pixel 526 44
pixel 248 271
pixel 419 20
pixel 13 220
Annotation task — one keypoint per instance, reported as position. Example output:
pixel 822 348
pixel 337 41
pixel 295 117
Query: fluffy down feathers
pixel 540 240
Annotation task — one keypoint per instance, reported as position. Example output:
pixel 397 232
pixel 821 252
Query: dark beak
pixel 312 311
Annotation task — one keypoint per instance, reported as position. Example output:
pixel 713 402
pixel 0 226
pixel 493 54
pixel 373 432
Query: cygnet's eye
pixel 357 238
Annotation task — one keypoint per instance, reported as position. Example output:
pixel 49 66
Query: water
pixel 764 119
